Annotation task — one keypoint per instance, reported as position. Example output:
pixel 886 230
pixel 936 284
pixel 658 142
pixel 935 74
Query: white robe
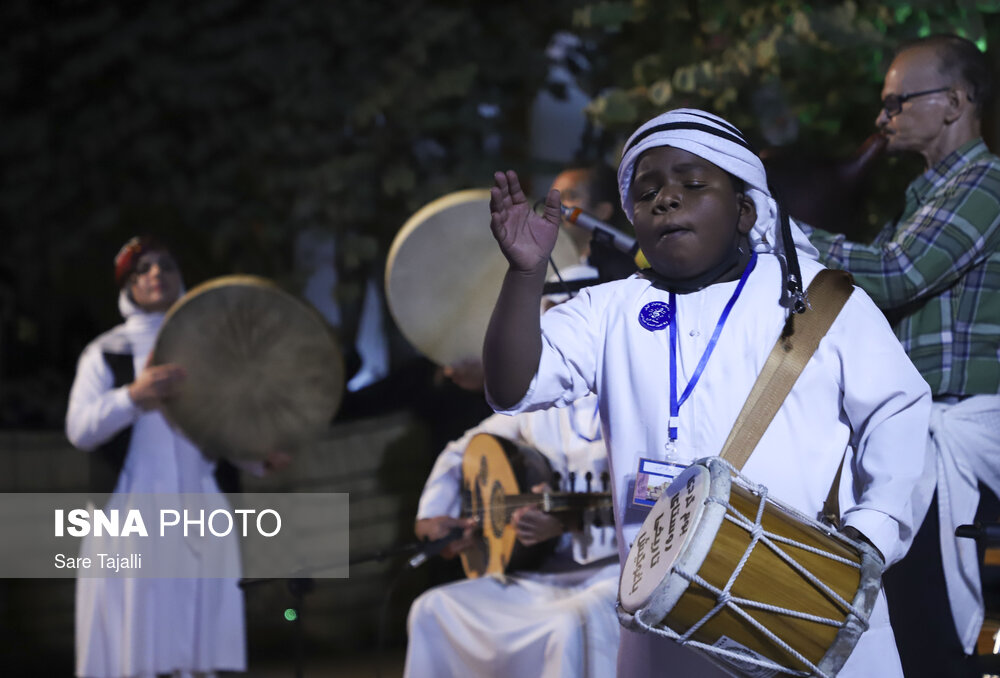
pixel 146 626
pixel 548 624
pixel 859 394
pixel 965 438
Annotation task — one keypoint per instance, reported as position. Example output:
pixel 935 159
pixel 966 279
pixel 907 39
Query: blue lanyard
pixel 675 404
pixel 572 422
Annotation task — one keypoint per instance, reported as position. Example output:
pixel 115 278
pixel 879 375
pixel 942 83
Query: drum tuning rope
pixel 725 599
pixel 736 656
pixel 756 528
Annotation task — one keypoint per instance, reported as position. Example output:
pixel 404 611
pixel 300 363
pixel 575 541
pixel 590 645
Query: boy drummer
pixel 726 280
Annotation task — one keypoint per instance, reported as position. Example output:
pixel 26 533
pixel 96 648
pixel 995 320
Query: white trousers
pixel 538 626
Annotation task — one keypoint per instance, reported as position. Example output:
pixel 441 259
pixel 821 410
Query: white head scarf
pixel 712 138
pixel 128 308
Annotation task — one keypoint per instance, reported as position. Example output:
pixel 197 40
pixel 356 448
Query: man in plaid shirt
pixel 935 271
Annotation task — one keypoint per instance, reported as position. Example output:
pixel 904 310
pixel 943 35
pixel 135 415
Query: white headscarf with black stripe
pixel 712 138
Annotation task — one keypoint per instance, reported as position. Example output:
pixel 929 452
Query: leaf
pixel 684 79
pixel 607 15
pixel 617 107
pixel 801 25
pixel 725 99
pixel 660 92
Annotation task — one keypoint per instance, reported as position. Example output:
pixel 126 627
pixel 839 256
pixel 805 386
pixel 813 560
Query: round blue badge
pixel 655 315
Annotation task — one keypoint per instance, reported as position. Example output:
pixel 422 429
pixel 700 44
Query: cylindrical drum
pixel 723 568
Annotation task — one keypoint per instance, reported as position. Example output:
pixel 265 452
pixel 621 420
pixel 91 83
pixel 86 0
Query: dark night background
pixel 233 126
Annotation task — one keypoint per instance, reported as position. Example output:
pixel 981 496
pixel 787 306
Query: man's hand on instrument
pixel 277 460
pixel 438 527
pixel 525 237
pixel 466 374
pixel 532 525
pixel 155 383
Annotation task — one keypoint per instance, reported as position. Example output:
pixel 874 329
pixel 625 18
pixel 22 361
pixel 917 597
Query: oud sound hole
pixel 498 509
pixel 484 471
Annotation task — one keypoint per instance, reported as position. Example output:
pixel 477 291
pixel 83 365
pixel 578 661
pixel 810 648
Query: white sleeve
pixel 442 493
pixel 567 368
pixel 97 411
pixel 888 404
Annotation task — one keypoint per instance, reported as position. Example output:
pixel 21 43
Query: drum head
pixel 664 539
pixel 263 371
pixel 444 272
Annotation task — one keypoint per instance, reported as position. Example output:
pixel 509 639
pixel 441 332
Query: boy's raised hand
pixel 526 238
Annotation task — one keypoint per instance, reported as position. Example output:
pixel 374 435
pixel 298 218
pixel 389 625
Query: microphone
pixel 432 548
pixel 606 233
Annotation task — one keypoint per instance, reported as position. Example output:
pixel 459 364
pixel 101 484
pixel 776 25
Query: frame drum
pixel 760 588
pixel 444 272
pixel 263 371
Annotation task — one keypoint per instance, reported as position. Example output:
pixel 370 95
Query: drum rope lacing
pixel 725 599
pixel 737 656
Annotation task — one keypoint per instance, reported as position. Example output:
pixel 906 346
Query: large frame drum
pixel 719 566
pixel 443 275
pixel 264 373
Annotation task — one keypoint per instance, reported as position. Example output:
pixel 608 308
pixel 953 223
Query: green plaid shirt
pixel 935 271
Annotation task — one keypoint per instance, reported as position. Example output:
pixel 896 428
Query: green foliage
pixel 787 72
pixel 254 119
pixel 232 125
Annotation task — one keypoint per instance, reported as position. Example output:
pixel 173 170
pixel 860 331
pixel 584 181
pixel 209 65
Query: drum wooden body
pixel 443 275
pixel 263 371
pixel 798 601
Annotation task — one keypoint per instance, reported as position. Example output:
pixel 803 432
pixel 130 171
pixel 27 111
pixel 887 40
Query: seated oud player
pixel 556 621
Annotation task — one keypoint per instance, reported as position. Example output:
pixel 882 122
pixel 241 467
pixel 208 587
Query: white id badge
pixel 652 478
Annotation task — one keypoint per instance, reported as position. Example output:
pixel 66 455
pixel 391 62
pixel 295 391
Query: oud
pixel 497 475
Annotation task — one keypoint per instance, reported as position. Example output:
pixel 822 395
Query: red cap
pixel 128 256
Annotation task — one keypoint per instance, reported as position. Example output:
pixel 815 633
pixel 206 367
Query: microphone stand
pixel 985 535
pixel 611 263
pixel 386 553
pixel 299 586
pixel 612 252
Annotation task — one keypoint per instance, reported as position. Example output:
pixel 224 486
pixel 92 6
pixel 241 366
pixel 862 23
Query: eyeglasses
pixel 893 104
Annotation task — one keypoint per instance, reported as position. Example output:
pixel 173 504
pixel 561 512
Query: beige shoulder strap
pixel 827 294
